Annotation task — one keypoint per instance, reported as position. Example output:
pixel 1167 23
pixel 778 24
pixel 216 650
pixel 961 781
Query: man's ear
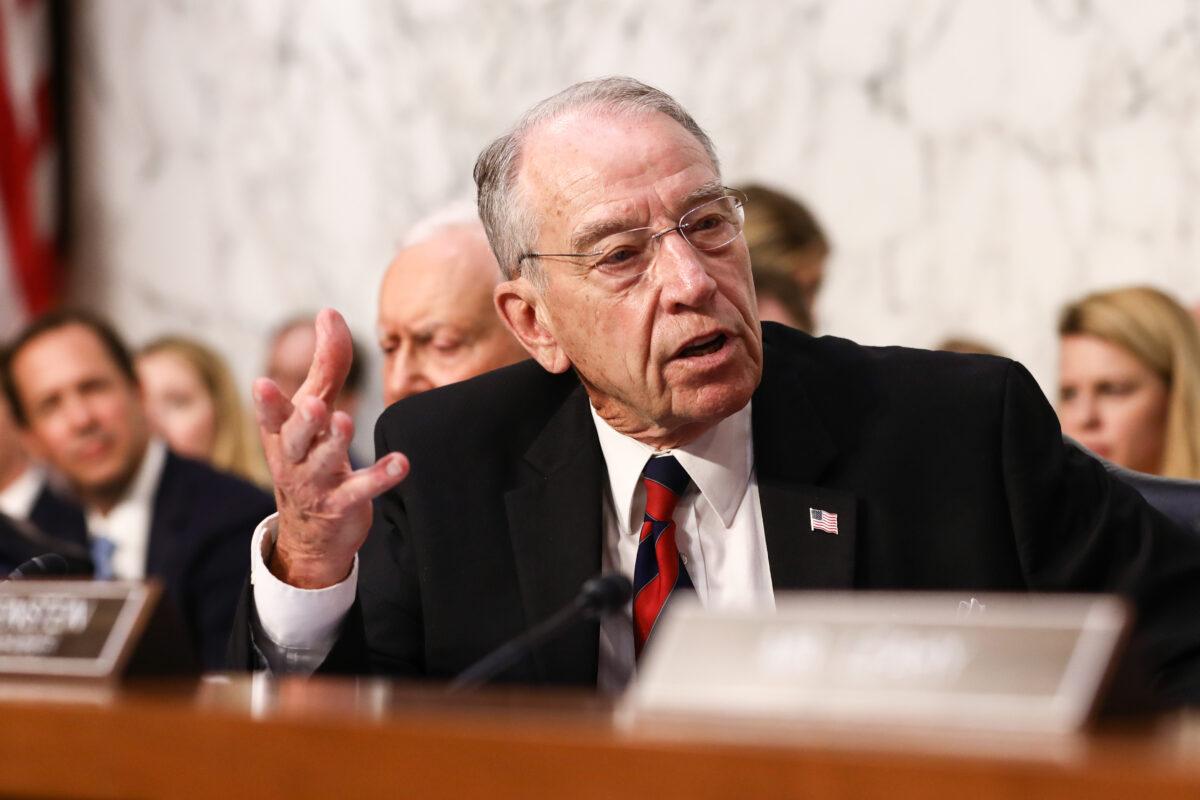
pixel 519 305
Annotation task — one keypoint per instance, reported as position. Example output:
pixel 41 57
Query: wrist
pixel 305 571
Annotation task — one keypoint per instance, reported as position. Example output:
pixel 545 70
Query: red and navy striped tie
pixel 658 569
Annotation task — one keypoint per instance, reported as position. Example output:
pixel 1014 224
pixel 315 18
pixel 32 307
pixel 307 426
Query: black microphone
pixel 41 566
pixel 596 597
pixel 39 554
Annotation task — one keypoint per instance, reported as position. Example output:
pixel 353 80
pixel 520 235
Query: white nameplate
pixel 71 628
pixel 1001 662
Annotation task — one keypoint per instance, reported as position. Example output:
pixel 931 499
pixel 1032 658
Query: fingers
pixel 331 358
pixel 298 432
pixel 370 482
pixel 330 453
pixel 271 408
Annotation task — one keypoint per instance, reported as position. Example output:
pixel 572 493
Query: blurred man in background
pixel 34 520
pixel 291 351
pixel 25 492
pixel 437 324
pixel 71 385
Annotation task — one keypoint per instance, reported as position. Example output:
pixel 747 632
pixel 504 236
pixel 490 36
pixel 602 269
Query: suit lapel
pixel 163 520
pixel 555 521
pixel 58 518
pixel 792 450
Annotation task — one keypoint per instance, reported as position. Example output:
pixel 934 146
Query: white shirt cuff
pixel 293 618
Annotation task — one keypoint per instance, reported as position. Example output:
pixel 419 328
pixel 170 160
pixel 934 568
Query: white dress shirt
pixel 718 528
pixel 18 498
pixel 127 524
pixel 719 532
pixel 294 629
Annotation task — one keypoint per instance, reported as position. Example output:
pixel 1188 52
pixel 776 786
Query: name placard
pixel 71 629
pixel 1001 662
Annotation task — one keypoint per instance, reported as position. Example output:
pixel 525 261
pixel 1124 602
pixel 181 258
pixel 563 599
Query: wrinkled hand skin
pixel 324 505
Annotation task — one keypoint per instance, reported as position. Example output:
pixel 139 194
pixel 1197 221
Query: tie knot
pixel 668 472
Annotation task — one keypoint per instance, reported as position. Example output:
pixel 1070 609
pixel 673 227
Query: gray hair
pixel 510 225
pixel 460 213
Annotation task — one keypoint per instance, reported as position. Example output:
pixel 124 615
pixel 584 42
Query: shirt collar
pixel 141 490
pixel 18 499
pixel 719 463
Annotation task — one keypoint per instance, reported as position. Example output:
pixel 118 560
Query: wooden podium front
pixel 262 738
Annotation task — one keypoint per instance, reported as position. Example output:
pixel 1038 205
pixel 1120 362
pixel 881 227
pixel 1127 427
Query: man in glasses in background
pixel 663 433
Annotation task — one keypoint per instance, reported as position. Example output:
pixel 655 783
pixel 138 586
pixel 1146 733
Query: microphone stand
pixel 598 596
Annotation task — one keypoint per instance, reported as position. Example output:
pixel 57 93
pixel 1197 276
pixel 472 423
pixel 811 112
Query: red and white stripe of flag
pixel 30 274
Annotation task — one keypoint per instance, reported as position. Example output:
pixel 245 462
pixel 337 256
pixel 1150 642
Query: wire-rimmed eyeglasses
pixel 628 254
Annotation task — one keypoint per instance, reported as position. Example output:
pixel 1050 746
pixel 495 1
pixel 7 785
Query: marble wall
pixel 976 161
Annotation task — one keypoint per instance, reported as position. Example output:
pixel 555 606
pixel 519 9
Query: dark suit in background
pixel 1175 498
pixel 58 517
pixel 200 528
pixel 948 472
pixel 54 525
pixel 199 545
pixel 20 542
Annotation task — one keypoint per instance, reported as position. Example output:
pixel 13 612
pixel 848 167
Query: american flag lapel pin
pixel 822 521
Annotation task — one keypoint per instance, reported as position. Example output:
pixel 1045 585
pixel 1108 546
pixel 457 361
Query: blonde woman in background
pixel 194 404
pixel 1130 380
pixel 785 239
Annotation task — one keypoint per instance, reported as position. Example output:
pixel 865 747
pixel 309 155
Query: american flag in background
pixel 30 268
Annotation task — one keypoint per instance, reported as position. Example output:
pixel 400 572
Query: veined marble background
pixel 977 162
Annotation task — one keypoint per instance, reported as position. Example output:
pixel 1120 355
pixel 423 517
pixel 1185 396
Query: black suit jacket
pixel 947 472
pixel 199 546
pixel 54 525
pixel 201 523
pixel 21 542
pixel 58 517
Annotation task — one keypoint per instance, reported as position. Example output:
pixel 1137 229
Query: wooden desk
pixel 321 738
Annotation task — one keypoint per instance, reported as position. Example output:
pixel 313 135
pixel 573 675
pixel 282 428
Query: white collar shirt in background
pixel 719 528
pixel 18 498
pixel 127 524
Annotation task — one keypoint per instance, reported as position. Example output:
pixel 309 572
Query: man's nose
pixel 684 273
pixel 78 413
pixel 404 376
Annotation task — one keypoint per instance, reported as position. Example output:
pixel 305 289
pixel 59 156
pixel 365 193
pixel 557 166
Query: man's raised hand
pixel 324 505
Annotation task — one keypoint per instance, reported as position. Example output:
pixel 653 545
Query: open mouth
pixel 703 347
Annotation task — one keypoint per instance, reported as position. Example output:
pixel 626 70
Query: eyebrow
pixel 709 191
pixel 591 233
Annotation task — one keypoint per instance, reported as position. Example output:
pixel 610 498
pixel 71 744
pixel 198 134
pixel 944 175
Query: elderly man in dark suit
pixel 664 433
pixel 71 384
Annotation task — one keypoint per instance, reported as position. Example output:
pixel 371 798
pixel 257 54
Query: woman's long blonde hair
pixel 1162 335
pixel 235 444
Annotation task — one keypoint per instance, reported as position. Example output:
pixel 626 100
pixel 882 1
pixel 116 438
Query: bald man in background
pixel 437 324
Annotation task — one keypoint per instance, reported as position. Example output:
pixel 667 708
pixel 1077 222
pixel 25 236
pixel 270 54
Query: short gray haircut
pixel 509 222
pixel 460 213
